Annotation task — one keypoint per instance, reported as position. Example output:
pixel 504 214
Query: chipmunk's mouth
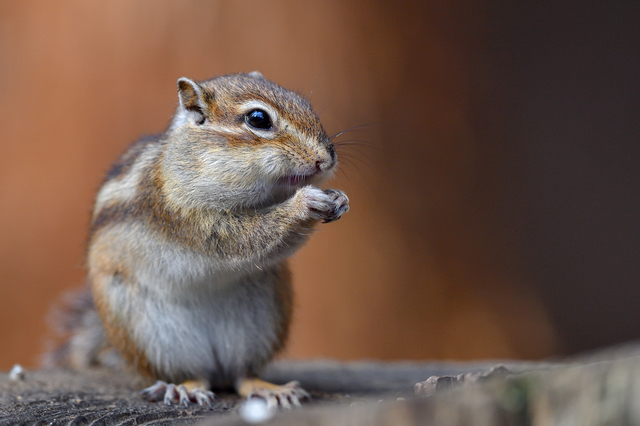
pixel 312 175
pixel 298 179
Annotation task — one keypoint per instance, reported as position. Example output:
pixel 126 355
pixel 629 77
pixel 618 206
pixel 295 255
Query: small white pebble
pixel 255 410
pixel 400 399
pixel 16 373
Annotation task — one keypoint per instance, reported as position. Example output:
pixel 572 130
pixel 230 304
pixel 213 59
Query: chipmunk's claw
pixel 284 396
pixel 181 394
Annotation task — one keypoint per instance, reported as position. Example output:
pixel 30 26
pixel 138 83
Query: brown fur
pixel 208 202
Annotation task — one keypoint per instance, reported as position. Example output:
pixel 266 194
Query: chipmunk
pixel 189 240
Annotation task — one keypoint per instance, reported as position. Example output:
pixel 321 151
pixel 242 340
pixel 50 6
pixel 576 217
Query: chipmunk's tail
pixel 78 338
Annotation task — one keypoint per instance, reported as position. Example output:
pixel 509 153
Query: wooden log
pixel 602 390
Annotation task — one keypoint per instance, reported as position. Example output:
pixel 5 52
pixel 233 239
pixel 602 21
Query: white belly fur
pixel 195 319
pixel 219 334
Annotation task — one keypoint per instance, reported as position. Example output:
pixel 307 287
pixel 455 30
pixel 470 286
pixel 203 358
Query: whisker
pixel 355 173
pixel 357 143
pixel 362 159
pixel 322 108
pixel 346 176
pixel 359 151
pixel 364 141
pixel 353 166
pixel 314 86
pixel 361 126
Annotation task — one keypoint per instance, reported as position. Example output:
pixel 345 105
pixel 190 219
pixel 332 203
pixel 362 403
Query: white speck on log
pixel 17 373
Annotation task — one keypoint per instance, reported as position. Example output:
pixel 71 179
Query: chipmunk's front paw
pixel 191 391
pixel 285 396
pixel 340 203
pixel 327 206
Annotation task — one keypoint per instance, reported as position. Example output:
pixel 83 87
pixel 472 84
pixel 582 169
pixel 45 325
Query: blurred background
pixel 494 190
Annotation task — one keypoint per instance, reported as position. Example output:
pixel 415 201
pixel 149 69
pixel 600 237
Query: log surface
pixel 598 389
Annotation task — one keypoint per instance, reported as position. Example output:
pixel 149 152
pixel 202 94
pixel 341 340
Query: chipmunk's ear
pixel 192 99
pixel 257 74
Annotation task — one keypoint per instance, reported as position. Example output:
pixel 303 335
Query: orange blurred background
pixel 494 191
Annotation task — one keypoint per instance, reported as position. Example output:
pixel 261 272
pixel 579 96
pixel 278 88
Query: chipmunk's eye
pixel 259 119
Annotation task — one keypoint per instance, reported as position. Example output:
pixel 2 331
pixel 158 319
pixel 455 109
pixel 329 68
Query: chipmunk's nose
pixel 328 159
pixel 325 163
pixel 325 156
pixel 332 151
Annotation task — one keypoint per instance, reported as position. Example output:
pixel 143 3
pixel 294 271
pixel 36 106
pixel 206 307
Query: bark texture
pixel 600 389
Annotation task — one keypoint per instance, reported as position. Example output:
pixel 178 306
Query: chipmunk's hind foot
pixel 285 396
pixel 191 391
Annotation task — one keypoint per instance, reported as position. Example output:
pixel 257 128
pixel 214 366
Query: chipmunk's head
pixel 242 140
